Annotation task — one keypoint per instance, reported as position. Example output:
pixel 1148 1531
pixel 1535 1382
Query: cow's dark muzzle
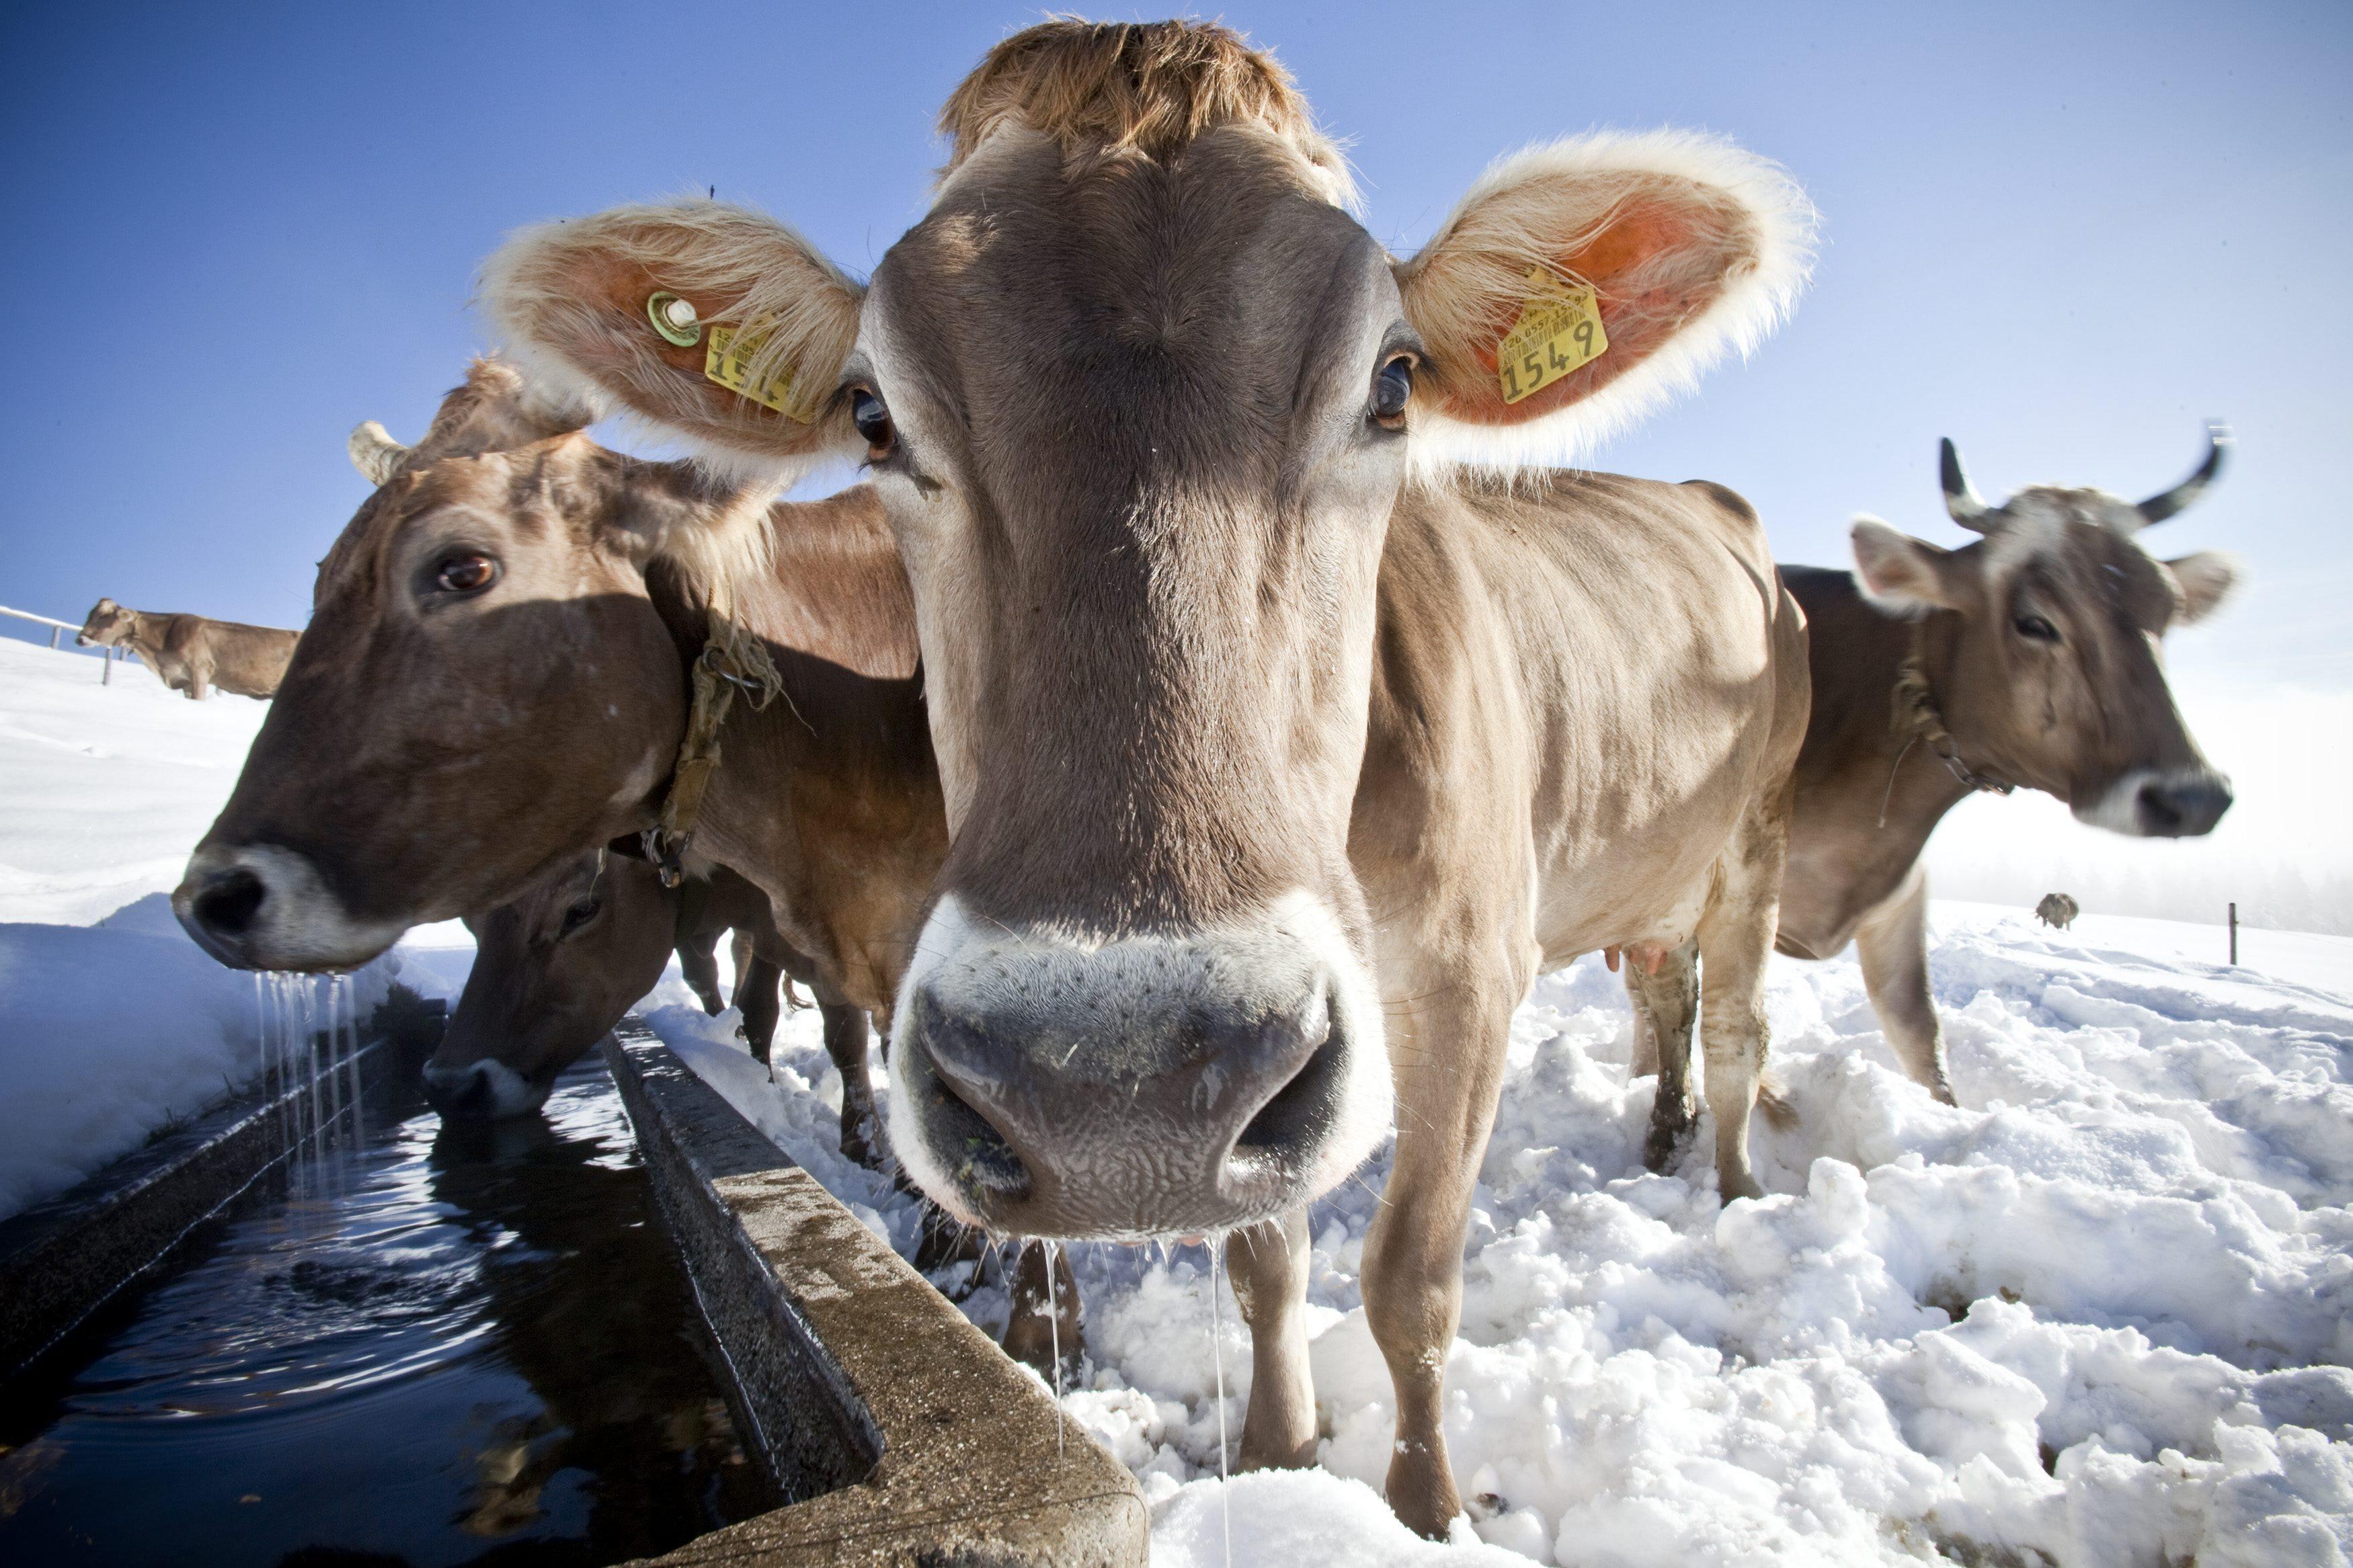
pixel 1195 1121
pixel 2181 804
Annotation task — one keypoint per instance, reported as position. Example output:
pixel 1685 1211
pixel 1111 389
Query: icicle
pixel 1054 1333
pixel 1218 1356
pixel 329 1065
pixel 350 1015
pixel 303 994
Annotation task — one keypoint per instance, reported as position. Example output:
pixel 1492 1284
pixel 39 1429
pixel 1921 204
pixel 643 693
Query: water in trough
pixel 424 1344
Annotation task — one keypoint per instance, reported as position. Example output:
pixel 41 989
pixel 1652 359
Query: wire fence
pixel 57 630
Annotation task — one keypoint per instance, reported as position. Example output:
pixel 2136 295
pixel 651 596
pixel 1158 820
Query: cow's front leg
pixel 1268 1264
pixel 1448 1064
pixel 1892 944
pixel 698 966
pixel 845 1043
pixel 1045 1331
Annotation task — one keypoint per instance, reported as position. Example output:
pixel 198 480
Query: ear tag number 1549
pixel 1559 330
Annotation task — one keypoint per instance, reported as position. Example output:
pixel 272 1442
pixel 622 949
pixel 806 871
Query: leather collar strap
pixel 730 661
pixel 1917 717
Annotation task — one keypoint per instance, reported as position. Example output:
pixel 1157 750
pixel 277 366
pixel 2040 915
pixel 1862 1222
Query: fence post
pixel 106 668
pixel 2234 936
pixel 53 636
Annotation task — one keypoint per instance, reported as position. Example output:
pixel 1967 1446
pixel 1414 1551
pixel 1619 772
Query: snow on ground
pixel 2101 1314
pixel 104 789
pixel 112 1023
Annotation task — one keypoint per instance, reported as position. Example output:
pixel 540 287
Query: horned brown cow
pixel 2030 660
pixel 1281 746
pixel 193 653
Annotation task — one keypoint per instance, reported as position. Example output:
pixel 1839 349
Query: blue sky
pixel 2063 234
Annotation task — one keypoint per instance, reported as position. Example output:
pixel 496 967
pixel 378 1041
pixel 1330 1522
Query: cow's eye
pixel 873 422
pixel 1392 390
pixel 579 915
pixel 468 572
pixel 2036 628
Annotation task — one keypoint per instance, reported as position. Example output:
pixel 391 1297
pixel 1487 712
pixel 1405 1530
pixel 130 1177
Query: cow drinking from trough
pixel 555 969
pixel 194 653
pixel 2029 660
pixel 1289 722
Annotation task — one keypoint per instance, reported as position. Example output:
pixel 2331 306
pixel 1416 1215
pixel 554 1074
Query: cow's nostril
pixel 978 1154
pixel 2158 811
pixel 465 1093
pixel 229 905
pixel 2183 808
pixel 1302 1110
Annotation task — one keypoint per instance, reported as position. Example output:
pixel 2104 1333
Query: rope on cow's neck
pixel 732 660
pixel 1917 717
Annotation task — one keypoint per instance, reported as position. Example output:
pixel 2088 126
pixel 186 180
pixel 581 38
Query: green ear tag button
pixel 674 319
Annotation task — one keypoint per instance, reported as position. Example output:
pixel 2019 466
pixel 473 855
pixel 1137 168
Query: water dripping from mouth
pixel 1218 1358
pixel 1054 1334
pixel 310 1070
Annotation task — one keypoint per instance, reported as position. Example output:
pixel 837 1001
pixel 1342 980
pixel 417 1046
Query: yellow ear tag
pixel 731 367
pixel 1558 331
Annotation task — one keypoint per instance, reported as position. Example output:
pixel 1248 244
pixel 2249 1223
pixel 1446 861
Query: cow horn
pixel 1961 498
pixel 374 453
pixel 2160 507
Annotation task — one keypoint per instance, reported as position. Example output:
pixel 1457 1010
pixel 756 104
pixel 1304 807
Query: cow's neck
pixel 147 637
pixel 825 797
pixel 1917 716
pixel 1912 759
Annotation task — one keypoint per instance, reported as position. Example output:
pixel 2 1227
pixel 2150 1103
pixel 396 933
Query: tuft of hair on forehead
pixel 494 409
pixel 1148 86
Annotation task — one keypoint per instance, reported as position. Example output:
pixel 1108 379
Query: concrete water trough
pixel 901 1433
pixel 63 1260
pixel 886 1428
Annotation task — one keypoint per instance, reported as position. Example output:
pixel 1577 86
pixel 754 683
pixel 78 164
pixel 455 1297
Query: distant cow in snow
pixel 2057 909
pixel 192 654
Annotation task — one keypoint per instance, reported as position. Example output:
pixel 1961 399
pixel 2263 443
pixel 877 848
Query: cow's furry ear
pixel 1900 575
pixel 575 301
pixel 2206 580
pixel 1689 247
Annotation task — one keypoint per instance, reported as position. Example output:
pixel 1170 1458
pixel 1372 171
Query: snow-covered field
pixel 112 1023
pixel 2101 1315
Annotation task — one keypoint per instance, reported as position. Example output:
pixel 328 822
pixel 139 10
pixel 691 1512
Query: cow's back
pixel 1610 661
pixel 248 660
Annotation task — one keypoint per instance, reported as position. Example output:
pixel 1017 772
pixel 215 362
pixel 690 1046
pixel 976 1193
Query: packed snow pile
pixel 2102 1314
pixel 112 1023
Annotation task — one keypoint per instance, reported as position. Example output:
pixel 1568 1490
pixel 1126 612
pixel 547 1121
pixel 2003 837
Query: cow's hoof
pixel 1421 1490
pixel 1664 1143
